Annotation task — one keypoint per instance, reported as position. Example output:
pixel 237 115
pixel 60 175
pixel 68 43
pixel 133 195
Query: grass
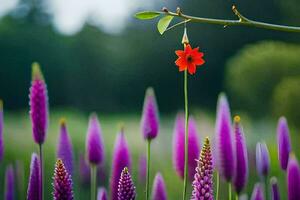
pixel 19 146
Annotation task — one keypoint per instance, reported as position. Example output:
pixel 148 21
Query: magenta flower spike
pixel 241 172
pixel 293 178
pixel 38 105
pixel 159 191
pixel 203 179
pixel 224 140
pixel 142 168
pixel 150 116
pixel 34 187
pixel 1 131
pixel 102 194
pixel 62 182
pixel 257 193
pixel 178 146
pixel 275 195
pixel 9 192
pixel 284 143
pixel 126 188
pixel 65 148
pixel 262 159
pixel 94 142
pixel 121 159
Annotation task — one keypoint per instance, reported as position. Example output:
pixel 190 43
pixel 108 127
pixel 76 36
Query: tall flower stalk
pixel 263 163
pixel 159 191
pixel 126 188
pixel 94 150
pixel 34 187
pixel 188 60
pixel 224 142
pixel 283 142
pixel 121 159
pixel 203 179
pixel 38 101
pixel 275 195
pixel 149 128
pixel 9 192
pixel 293 178
pixel 65 148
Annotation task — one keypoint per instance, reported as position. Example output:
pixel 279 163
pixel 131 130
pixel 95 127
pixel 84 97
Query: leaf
pixel 163 23
pixel 144 15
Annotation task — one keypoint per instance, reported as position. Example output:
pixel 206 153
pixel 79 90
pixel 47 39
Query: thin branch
pixel 241 21
pixel 178 24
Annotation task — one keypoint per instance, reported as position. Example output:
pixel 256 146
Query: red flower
pixel 189 59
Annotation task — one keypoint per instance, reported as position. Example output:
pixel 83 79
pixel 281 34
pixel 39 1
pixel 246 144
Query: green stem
pixel 148 169
pixel 93 181
pixel 42 172
pixel 218 186
pixel 266 187
pixel 229 191
pixel 236 197
pixel 186 135
pixel 241 21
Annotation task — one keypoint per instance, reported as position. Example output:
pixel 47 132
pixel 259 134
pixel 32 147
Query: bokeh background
pixel 97 57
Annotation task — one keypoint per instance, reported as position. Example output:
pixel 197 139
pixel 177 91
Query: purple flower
pixel 203 179
pixel 34 187
pixel 284 143
pixel 178 146
pixel 121 159
pixel 275 195
pixel 9 183
pixel 150 118
pixel 64 148
pixel 94 142
pixel 142 168
pixel 262 159
pixel 102 194
pixel 293 178
pixel 224 140
pixel 126 188
pixel 38 105
pixel 257 193
pixel 159 191
pixel 62 183
pixel 1 131
pixel 241 172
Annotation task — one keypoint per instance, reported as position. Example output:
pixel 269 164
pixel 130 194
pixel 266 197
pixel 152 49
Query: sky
pixel 69 16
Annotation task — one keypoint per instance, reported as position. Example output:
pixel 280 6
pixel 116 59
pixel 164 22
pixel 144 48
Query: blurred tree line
pixel 94 70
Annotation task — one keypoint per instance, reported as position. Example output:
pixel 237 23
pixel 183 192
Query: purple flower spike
pixel 203 179
pixel 257 193
pixel 62 183
pixel 284 143
pixel 126 188
pixel 121 159
pixel 142 168
pixel 34 187
pixel 224 140
pixel 94 142
pixel 241 173
pixel 178 146
pixel 275 195
pixel 65 149
pixel 102 194
pixel 293 178
pixel 159 191
pixel 262 159
pixel 1 131
pixel 38 105
pixel 150 117
pixel 9 183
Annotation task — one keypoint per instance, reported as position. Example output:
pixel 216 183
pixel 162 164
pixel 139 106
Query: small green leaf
pixel 163 23
pixel 147 15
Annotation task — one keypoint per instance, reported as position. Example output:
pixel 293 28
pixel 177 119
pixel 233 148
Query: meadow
pixel 19 145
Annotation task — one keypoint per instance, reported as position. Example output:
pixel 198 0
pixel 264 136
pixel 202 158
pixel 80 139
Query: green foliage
pixel 286 100
pixel 254 72
pixel 147 15
pixel 163 24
